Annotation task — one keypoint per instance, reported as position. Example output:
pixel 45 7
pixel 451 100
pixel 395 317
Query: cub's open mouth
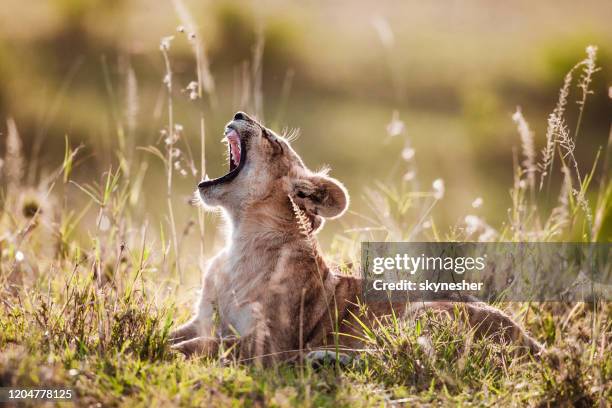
pixel 237 153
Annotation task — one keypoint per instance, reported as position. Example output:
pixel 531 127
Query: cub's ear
pixel 320 195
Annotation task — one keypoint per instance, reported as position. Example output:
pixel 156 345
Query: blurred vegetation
pixel 335 71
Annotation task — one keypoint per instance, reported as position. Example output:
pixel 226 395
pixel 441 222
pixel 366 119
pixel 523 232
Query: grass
pixel 46 344
pixel 91 308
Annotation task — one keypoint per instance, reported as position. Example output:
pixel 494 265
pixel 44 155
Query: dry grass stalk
pixel 560 215
pixel 305 228
pixel 548 153
pixel 257 74
pixel 206 81
pixel 556 118
pixel 13 159
pixel 567 146
pixel 172 137
pixel 586 78
pixel 132 105
pixel 529 165
pixel 303 223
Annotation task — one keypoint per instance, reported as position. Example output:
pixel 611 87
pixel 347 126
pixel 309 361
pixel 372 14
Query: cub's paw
pixel 327 358
pixel 183 333
pixel 192 347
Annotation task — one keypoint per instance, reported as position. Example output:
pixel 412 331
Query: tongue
pixel 234 142
pixel 235 152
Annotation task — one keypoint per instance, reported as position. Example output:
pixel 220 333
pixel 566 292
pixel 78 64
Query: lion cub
pixel 270 288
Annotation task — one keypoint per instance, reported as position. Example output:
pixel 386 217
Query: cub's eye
pixel 274 142
pixel 301 194
pixel 279 146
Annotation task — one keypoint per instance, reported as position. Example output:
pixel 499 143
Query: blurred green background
pixel 453 71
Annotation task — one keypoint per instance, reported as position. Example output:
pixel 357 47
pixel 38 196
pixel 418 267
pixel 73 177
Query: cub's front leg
pixel 201 324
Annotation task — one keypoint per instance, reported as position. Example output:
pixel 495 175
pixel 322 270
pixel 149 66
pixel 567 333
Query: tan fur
pixel 273 291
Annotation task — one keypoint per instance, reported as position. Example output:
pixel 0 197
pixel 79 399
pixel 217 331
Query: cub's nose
pixel 241 116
